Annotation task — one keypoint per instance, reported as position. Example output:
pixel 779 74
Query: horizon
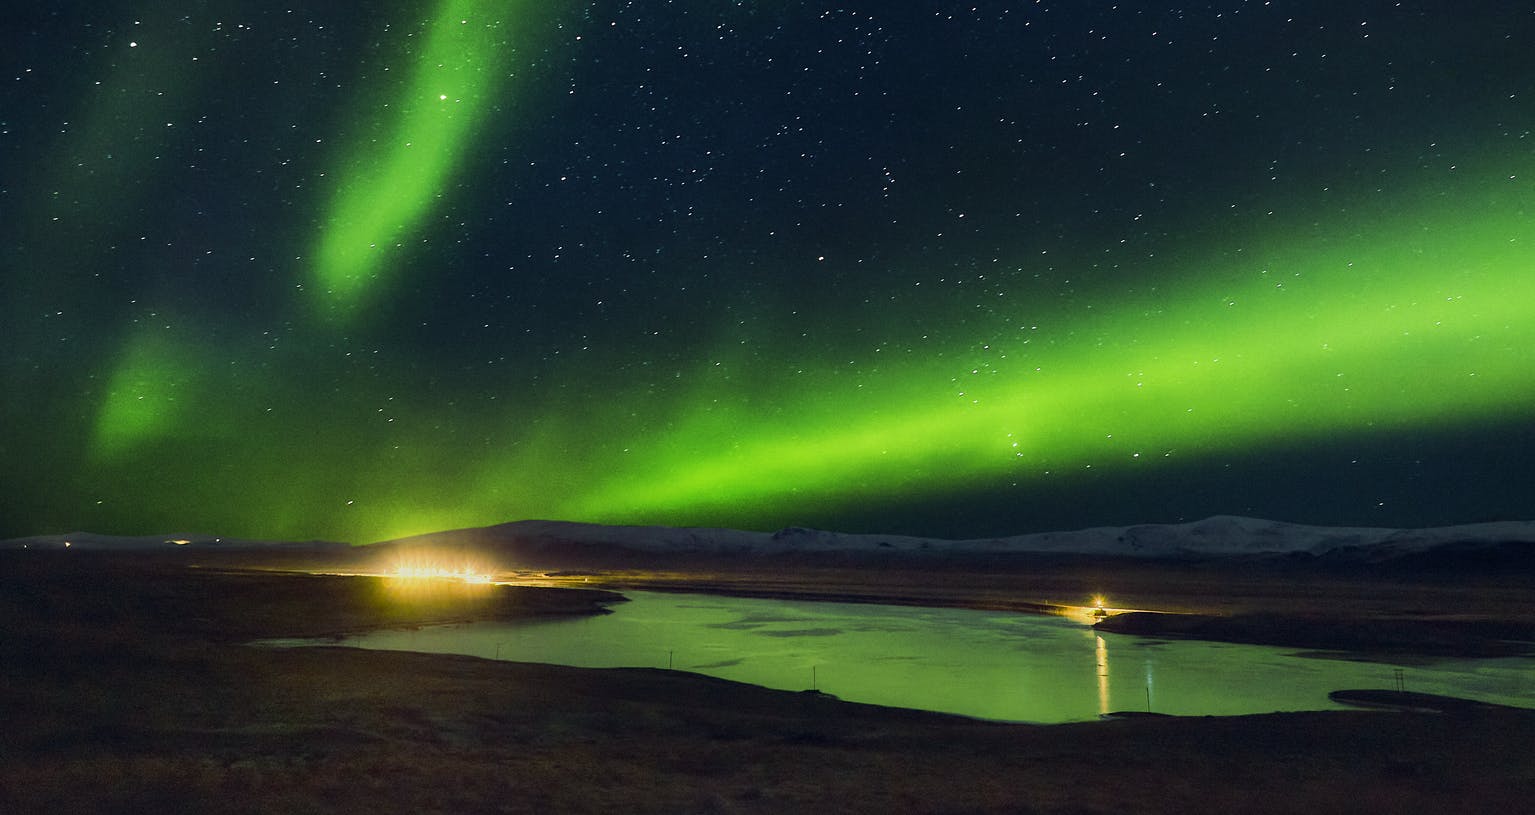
pixel 301 273
pixel 185 537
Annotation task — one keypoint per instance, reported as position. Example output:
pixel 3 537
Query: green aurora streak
pixel 1398 318
pixel 390 184
pixel 1414 321
pixel 1418 322
pixel 1397 321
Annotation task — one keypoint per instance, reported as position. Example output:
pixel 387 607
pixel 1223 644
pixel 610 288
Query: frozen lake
pixel 993 665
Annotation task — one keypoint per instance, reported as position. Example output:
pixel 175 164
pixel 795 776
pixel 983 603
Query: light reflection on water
pixel 977 663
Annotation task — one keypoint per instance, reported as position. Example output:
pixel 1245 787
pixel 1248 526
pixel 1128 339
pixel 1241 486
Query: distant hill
pixel 1218 537
pixel 90 541
pixel 562 544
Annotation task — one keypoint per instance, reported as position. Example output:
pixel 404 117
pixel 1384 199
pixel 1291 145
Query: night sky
pixel 355 270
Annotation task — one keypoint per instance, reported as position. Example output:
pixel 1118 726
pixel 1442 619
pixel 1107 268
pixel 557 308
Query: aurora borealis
pixel 356 271
pixel 389 184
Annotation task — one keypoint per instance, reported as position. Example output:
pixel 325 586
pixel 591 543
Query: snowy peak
pixel 1215 537
pixel 1218 536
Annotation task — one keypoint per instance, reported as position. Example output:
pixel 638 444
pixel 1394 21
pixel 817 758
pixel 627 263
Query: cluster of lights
pixel 466 574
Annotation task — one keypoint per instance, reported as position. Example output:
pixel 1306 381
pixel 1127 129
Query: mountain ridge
pixel 1218 536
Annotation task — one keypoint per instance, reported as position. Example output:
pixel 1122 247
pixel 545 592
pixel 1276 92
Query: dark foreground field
pixel 124 687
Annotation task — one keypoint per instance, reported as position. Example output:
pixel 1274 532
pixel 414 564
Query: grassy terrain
pixel 124 688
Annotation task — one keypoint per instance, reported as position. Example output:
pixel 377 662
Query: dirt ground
pixel 125 687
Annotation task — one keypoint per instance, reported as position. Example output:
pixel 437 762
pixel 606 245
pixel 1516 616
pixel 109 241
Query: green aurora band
pixel 1413 322
pixel 1398 317
pixel 1391 322
pixel 391 183
pixel 1418 322
pixel 148 395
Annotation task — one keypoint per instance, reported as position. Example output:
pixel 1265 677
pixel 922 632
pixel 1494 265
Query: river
pixel 993 665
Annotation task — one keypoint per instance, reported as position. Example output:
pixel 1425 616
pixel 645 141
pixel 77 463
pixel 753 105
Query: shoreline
pixel 1359 638
pixel 1258 701
pixel 125 688
pixel 822 596
pixel 1363 637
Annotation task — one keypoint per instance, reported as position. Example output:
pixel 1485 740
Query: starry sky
pixel 366 269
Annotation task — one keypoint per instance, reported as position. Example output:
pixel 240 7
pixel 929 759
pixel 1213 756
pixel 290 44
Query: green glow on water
pixel 974 663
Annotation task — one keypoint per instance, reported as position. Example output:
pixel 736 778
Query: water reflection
pixel 977 663
pixel 1102 651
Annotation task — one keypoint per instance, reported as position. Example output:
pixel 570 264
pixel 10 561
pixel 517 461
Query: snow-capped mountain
pixel 1216 537
pixel 1219 536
